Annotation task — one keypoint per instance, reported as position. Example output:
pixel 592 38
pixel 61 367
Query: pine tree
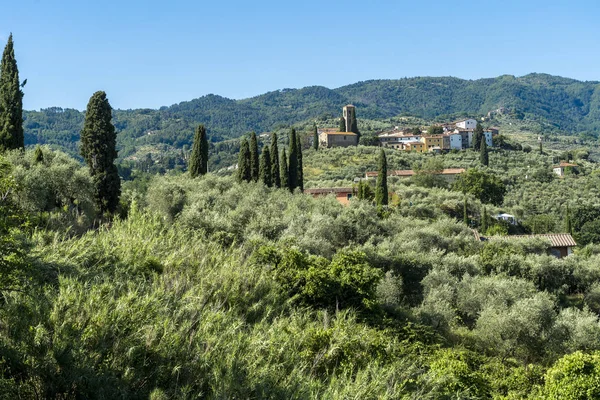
pixel 38 156
pixel 244 173
pixel 484 221
pixel 265 167
pixel 283 170
pixel 198 163
pixel 11 101
pixel 300 166
pixel 381 189
pixel 98 148
pixel 342 124
pixel 275 173
pixel 293 161
pixel 484 157
pixel 254 160
pixel 315 138
pixel 478 136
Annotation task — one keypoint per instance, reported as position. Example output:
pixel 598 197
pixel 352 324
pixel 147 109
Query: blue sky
pixel 154 53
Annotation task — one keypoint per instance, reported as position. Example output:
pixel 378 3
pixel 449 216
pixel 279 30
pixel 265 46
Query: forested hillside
pixel 560 103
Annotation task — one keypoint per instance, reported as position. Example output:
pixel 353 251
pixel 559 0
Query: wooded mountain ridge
pixel 567 104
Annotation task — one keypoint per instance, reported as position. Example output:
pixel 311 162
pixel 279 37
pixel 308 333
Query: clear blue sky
pixel 153 53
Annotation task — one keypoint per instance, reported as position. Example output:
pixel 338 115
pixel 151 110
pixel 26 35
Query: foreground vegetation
pixel 209 288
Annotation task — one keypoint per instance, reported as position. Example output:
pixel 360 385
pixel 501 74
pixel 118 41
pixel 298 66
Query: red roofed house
pixel 561 244
pixel 343 195
pixel 564 168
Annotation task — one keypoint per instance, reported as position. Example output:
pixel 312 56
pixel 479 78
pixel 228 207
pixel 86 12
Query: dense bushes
pixel 209 288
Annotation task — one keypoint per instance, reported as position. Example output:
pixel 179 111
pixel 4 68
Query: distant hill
pixel 566 104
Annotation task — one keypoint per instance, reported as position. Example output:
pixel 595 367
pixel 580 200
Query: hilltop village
pixel 457 135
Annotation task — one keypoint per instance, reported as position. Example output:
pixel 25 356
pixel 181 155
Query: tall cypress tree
pixel 198 163
pixel 465 212
pixel 300 166
pixel 244 173
pixel 353 122
pixel 265 167
pixel 484 157
pixel 293 161
pixel 11 101
pixel 478 135
pixel 484 221
pixel 283 170
pixel 381 188
pixel 275 173
pixel 541 148
pixel 568 221
pixel 342 124
pixel 254 160
pixel 315 138
pixel 98 148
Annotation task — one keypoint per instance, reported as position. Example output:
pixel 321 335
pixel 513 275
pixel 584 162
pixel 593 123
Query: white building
pixel 396 140
pixel 466 124
pixel 455 141
pixel 507 217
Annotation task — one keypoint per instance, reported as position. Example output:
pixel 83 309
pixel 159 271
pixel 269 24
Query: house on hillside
pixel 432 141
pixel 564 168
pixel 342 194
pixel 416 146
pixel 466 123
pixel 395 139
pixel 466 135
pixel 456 141
pixel 337 139
pixel 561 244
pixel 507 218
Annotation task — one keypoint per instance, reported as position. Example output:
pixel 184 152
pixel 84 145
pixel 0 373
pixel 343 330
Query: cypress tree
pixel 342 124
pixel 198 162
pixel 541 149
pixel 478 136
pixel 293 162
pixel 484 157
pixel 465 212
pixel 98 148
pixel 353 122
pixel 315 138
pixel 283 171
pixel 265 167
pixel 484 221
pixel 11 101
pixel 381 189
pixel 275 173
pixel 244 173
pixel 300 166
pixel 254 160
pixel 568 221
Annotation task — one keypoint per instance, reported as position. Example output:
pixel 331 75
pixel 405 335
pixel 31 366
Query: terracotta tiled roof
pixel 566 164
pixel 556 239
pixel 328 190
